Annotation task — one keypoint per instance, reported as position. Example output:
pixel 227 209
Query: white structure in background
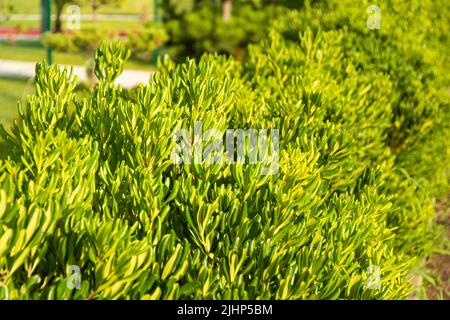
pixel 25 69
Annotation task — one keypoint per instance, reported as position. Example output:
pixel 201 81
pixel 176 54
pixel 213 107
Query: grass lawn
pixel 118 25
pixel 12 91
pixel 127 7
pixel 32 7
pixel 35 51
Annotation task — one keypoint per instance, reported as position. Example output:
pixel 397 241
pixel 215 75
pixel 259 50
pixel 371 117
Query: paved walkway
pixel 23 69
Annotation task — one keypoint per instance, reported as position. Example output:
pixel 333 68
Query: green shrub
pixel 89 182
pixel 412 59
pixel 203 30
pixel 144 42
pixel 84 41
pixel 59 41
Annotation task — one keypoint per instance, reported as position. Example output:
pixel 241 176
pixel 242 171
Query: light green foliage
pixel 84 41
pixel 142 43
pixel 90 182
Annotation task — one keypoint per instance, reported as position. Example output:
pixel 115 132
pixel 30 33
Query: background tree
pixel 96 4
pixel 59 7
pixel 227 9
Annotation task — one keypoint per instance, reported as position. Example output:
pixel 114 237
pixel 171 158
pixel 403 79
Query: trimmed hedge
pixel 89 182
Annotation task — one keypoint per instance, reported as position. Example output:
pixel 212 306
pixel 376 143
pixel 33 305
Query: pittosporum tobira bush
pixel 92 205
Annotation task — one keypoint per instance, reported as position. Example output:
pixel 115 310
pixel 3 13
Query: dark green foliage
pixel 200 28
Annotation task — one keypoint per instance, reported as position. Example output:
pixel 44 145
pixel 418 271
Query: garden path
pixel 24 69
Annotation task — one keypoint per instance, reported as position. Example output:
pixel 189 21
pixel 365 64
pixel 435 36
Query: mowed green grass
pixel 12 91
pixel 127 7
pixel 117 25
pixel 34 51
